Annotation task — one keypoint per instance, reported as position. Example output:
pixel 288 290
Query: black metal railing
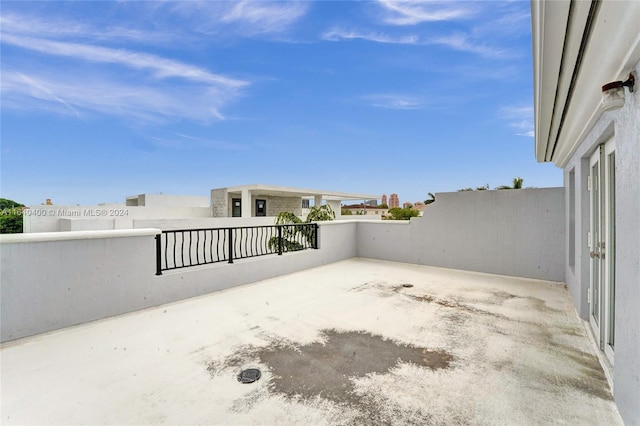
pixel 192 247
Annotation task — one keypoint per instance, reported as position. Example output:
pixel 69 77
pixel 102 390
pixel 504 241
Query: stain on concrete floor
pixel 590 379
pixel 327 369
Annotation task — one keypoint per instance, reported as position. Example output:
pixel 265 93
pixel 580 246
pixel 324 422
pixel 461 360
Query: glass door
pixel 236 207
pixel 595 308
pixel 602 247
pixel 609 249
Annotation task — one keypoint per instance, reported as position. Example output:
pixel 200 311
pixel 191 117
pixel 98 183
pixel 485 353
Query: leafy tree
pixel 320 213
pixel 289 234
pixel 431 199
pixel 478 188
pixel 384 206
pixel 517 184
pixel 347 212
pixel 398 213
pixel 10 217
pixel 9 204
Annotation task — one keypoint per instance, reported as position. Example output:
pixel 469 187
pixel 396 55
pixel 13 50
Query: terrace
pixel 454 318
pixel 94 331
pixel 353 342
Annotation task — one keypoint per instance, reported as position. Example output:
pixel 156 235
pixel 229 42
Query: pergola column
pixel 246 203
pixel 336 206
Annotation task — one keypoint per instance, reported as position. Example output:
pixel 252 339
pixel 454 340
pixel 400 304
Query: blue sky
pixel 101 100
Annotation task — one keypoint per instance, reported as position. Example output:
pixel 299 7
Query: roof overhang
pixel 283 191
pixel 577 47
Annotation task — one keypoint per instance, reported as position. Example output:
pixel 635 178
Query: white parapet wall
pixel 82 218
pixel 508 232
pixel 58 279
pixel 172 201
pixel 203 223
pixel 53 280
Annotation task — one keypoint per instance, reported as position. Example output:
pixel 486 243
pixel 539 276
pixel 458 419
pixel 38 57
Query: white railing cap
pixel 37 237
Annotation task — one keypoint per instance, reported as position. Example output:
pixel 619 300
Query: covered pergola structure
pixel 268 200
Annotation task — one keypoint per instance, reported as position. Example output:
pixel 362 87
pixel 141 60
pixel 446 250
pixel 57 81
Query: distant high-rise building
pixel 384 199
pixel 394 201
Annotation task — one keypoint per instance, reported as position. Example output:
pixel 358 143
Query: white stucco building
pixel 594 136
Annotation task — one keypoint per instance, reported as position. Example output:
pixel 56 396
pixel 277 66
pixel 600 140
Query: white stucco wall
pixel 81 218
pixel 84 276
pixel 204 223
pixel 359 217
pixel 510 232
pixel 624 126
pixel 50 281
pixel 627 356
pixel 166 200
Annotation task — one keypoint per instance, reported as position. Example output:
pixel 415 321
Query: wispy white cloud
pixel 411 12
pixel 160 67
pixel 476 36
pixel 519 118
pixel 268 16
pixel 253 17
pixel 138 101
pixel 459 41
pixel 464 43
pixel 55 27
pixel 163 87
pixel 17 82
pixel 337 34
pixel 507 20
pixel 394 101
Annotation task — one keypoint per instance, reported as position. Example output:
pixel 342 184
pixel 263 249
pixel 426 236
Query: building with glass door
pixel 587 121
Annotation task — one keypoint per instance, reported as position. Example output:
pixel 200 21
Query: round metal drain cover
pixel 407 285
pixel 249 375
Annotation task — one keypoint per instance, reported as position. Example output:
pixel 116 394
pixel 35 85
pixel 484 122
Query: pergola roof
pixel 284 191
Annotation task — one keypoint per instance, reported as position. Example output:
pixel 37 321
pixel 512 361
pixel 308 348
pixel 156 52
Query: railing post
pixel 315 236
pixel 280 239
pixel 230 245
pixel 158 255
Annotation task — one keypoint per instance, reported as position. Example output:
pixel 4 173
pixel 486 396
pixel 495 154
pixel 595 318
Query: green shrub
pixel 10 217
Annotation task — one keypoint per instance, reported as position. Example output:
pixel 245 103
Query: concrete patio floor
pixel 347 343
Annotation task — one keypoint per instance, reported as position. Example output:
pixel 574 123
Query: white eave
pixel 577 47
